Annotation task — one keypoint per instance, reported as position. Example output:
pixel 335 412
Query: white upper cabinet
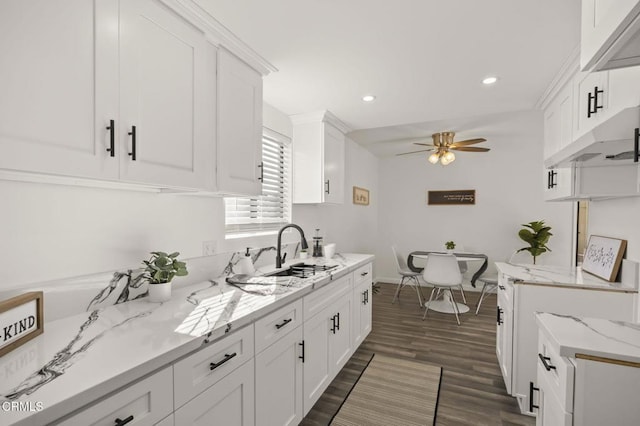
pixel 610 34
pixel 558 121
pixel 59 86
pixel 167 97
pixel 239 156
pixel 318 158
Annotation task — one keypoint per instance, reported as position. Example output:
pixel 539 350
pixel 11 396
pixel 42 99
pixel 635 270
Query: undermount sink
pixel 302 270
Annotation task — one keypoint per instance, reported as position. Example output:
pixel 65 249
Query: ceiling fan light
pixel 449 156
pixel 444 161
pixel 433 158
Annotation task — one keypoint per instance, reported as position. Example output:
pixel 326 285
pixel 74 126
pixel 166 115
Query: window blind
pixel 272 209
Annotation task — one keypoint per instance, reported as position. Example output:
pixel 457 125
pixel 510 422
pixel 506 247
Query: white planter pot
pixel 450 251
pixel 159 292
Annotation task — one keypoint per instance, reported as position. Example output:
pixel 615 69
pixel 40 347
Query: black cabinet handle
pixel 302 356
pixel 596 107
pixel 531 390
pixel 546 365
pixel 328 185
pixel 553 179
pixel 124 422
pixel 364 274
pixel 636 147
pixel 499 315
pixel 501 287
pixel 283 323
pixel 549 180
pixel 112 138
pixel 338 321
pixel 226 358
pixel 132 133
pixel 589 101
pixel 333 324
pixel 261 167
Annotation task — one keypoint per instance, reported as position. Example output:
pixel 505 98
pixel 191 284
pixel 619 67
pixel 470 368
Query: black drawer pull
pixel 328 186
pixel 531 390
pixel 283 323
pixel 501 287
pixel 261 166
pixel 636 145
pixel 499 315
pixel 333 324
pixel 226 358
pixel 365 297
pixel 302 356
pixel 112 138
pixel 546 365
pixel 132 133
pixel 364 274
pixel 124 422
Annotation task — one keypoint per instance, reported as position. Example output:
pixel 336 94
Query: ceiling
pixel 423 59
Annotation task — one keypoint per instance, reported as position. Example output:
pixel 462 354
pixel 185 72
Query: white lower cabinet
pixel 143 403
pixel 229 402
pixel 279 381
pixel 550 410
pixel 361 318
pixel 504 331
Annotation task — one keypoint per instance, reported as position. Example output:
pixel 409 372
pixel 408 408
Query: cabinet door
pixel 279 382
pixel 239 155
pixel 167 94
pixel 504 330
pixel 603 21
pixel 340 342
pixel 229 402
pixel 591 101
pixel 559 183
pixel 333 165
pixel 58 85
pixel 317 366
pixel 550 411
pixel 361 318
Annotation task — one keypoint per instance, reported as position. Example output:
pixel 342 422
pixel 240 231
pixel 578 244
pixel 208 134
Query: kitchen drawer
pixel 505 288
pixel 361 274
pixel 200 370
pixel 557 375
pixel 146 402
pixel 323 297
pixel 277 324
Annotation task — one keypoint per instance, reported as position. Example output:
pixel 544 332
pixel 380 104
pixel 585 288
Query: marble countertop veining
pixel 558 276
pixel 82 357
pixel 571 335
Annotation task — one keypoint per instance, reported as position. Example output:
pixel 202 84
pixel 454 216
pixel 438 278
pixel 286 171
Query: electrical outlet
pixel 209 248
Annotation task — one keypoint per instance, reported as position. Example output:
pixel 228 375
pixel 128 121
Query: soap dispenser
pixel 245 265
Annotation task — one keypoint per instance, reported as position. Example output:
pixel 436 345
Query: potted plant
pixel 304 254
pixel 450 245
pixel 159 271
pixel 536 234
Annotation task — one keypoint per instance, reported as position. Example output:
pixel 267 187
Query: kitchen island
pixel 85 357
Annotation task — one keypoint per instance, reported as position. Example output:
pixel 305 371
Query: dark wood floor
pixel 472 390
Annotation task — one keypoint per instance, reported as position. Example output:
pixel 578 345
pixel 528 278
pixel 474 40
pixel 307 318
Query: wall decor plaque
pixel 463 196
pixel 21 319
pixel 360 196
pixel 603 257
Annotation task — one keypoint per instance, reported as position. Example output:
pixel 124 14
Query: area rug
pixel 392 391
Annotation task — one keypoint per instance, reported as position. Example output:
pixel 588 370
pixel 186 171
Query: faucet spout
pixel 303 242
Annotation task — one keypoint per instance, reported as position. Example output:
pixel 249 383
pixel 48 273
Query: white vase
pixel 450 251
pixel 159 292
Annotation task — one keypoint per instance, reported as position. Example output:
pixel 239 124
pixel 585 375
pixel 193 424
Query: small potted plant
pixel 304 254
pixel 450 245
pixel 537 236
pixel 159 270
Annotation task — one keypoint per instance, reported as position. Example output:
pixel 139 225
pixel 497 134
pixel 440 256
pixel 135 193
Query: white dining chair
pixel 443 273
pixel 408 276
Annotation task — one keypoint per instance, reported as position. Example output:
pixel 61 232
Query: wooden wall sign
pixel 21 319
pixel 360 196
pixel 464 196
pixel 603 257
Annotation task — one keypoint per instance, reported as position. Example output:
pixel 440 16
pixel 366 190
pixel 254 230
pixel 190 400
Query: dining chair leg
pixel 395 296
pixel 464 299
pixel 416 287
pixel 426 311
pixel 482 294
pixel 454 305
pixel 417 280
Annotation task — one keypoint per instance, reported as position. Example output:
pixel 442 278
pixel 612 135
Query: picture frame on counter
pixel 21 319
pixel 603 257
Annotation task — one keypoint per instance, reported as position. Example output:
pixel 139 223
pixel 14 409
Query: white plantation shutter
pixel 272 209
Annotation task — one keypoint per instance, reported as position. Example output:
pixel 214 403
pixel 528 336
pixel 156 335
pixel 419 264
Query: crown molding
pixel 566 72
pixel 219 35
pixel 323 116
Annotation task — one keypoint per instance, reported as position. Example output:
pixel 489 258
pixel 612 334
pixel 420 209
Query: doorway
pixel 582 219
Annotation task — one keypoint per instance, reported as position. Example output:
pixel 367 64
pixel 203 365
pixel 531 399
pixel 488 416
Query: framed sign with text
pixel 443 198
pixel 21 319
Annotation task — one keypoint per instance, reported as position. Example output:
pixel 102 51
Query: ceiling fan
pixel 443 144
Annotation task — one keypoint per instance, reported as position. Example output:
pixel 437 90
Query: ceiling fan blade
pixel 471 149
pixel 424 144
pixel 414 152
pixel 469 142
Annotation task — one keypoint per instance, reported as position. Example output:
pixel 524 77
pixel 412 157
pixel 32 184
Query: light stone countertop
pixel 85 356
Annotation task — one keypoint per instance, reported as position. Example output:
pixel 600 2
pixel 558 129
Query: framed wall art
pixel 21 319
pixel 603 257
pixel 442 198
pixel 360 196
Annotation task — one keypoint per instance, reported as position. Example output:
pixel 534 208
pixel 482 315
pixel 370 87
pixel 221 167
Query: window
pixel 271 210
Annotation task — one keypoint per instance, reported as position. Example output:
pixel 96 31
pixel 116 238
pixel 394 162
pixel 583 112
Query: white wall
pixel 352 227
pixel 509 192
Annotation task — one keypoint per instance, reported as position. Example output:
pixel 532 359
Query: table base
pixel 445 307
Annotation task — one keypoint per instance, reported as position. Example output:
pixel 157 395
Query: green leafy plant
pixel 162 267
pixel 450 245
pixel 537 235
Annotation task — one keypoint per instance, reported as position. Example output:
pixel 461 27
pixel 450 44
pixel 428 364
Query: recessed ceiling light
pixel 368 98
pixel 489 80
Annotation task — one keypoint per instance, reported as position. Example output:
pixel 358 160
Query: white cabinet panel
pixel 361 319
pixel 58 80
pixel 504 332
pixel 230 402
pixel 340 342
pixel 333 165
pixel 279 382
pixel 239 154
pixel 317 365
pixel 167 88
